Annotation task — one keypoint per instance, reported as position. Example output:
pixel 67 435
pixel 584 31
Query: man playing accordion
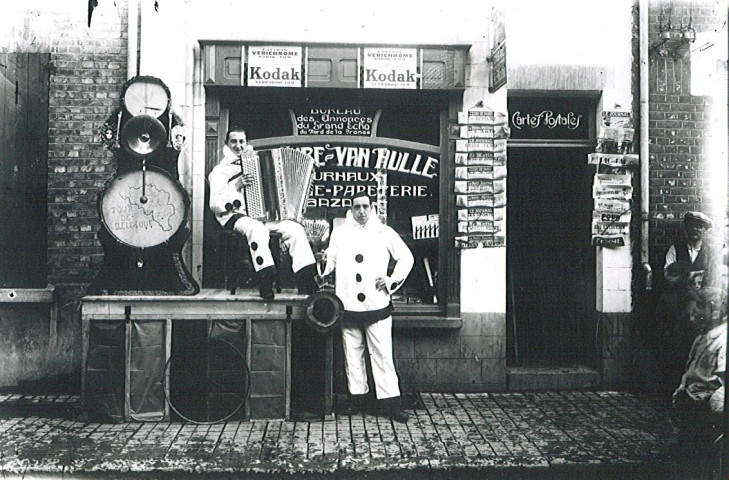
pixel 228 186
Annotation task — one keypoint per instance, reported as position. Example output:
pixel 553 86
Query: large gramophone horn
pixel 142 135
pixel 323 310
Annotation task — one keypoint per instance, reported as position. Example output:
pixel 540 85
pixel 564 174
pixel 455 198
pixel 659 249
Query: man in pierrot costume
pixel 359 253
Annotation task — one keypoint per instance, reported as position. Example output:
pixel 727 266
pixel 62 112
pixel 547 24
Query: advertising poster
pixel 391 68
pixel 274 66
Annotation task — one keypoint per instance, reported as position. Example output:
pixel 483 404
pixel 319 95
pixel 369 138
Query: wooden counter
pixel 267 337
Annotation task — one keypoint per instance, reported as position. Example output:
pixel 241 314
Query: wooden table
pixel 267 342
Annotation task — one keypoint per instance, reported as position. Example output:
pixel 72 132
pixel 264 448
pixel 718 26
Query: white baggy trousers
pixel 379 340
pixel 293 236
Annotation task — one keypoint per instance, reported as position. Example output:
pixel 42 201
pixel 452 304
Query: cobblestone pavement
pixel 486 435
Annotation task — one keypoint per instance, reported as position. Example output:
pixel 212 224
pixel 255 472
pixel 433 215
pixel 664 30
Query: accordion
pixel 282 179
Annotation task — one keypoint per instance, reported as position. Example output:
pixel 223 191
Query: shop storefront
pixel 373 118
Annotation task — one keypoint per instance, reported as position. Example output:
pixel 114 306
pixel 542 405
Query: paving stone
pixel 486 431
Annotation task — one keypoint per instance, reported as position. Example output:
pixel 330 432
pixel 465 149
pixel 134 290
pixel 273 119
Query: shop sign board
pixel 550 119
pixel 390 68
pixel 497 73
pixel 274 66
pixel 356 121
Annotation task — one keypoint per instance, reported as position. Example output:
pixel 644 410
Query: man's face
pixel 695 230
pixel 361 209
pixel 237 142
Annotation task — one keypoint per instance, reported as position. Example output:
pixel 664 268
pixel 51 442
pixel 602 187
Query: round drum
pixel 146 96
pixel 143 210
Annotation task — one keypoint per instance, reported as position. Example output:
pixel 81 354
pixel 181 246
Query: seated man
pixel 228 203
pixel 696 398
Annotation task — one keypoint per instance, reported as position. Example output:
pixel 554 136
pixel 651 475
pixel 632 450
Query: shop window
pixel 387 143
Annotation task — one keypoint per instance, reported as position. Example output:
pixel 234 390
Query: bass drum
pixel 143 209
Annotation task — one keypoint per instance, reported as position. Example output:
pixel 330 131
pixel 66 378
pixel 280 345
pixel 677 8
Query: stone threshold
pixel 551 378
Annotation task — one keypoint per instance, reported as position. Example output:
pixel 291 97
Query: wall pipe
pixel 644 143
pixel 132 38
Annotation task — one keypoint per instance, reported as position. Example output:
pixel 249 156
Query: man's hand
pixel 381 284
pixel 321 256
pixel 245 180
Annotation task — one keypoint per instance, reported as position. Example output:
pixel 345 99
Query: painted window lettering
pixel 547 118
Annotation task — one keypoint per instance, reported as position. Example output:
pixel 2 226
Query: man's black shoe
pixel 400 417
pixel 305 280
pixel 267 277
pixel 394 410
pixel 355 405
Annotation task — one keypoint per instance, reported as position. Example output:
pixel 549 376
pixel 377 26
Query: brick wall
pixel 678 122
pixel 88 70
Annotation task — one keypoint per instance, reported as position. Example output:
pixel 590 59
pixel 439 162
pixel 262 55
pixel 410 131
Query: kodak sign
pixel 391 68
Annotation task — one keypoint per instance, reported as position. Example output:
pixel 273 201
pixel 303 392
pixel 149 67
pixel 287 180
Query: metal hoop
pixel 233 350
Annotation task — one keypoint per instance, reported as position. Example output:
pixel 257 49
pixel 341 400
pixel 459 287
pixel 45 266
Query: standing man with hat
pixel 694 249
pixel 359 253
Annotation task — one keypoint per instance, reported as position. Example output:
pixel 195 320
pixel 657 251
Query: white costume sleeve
pixel 222 189
pixel 219 190
pixel 331 253
pixel 403 260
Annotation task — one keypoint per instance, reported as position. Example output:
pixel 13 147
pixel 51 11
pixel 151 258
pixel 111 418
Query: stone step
pixel 551 378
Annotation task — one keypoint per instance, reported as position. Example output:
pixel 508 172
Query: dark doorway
pixel 23 168
pixel 551 265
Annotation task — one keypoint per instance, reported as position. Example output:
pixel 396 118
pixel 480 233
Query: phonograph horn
pixel 142 135
pixel 323 310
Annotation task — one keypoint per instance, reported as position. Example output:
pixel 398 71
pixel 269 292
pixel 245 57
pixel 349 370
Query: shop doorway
pixel 551 265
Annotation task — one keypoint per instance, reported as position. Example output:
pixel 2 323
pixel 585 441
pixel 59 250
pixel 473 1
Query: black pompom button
pixel 229 206
pixel 361 297
pixel 359 258
pixel 254 246
pixel 236 203
pixel 358 277
pixel 259 260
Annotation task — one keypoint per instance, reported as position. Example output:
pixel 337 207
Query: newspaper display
pixel 480 178
pixel 612 188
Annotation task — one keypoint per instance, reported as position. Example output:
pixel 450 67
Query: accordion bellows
pixel 282 183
